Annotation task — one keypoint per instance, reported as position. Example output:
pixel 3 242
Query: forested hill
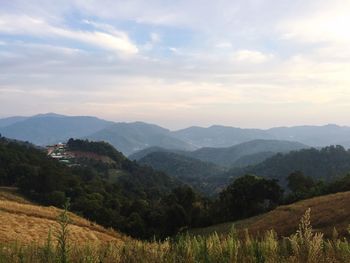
pixel 189 170
pixel 327 164
pixel 120 194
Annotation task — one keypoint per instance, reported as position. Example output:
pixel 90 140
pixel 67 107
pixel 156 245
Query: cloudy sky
pixel 248 63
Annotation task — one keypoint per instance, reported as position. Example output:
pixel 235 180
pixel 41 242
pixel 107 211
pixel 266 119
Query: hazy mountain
pixel 132 137
pixel 51 128
pixel 11 120
pixel 314 135
pixel 142 153
pixel 220 136
pixel 247 153
pixel 228 156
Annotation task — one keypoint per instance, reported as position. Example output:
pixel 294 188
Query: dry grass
pixel 27 223
pixel 328 212
pixel 91 243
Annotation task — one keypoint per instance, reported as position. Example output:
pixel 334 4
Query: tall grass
pixel 305 246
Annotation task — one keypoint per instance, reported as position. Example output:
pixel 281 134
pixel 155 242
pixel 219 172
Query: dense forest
pixel 138 200
pixel 189 170
pixel 327 164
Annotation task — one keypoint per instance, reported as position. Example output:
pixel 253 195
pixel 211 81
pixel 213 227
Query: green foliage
pixel 247 196
pixel 326 164
pixel 189 170
pixel 298 182
pixel 303 187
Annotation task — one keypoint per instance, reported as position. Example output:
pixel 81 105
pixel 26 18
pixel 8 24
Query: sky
pixel 246 63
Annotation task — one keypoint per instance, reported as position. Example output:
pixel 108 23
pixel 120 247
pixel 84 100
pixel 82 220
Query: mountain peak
pixel 49 114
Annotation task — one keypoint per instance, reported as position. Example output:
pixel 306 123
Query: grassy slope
pixel 25 222
pixel 327 212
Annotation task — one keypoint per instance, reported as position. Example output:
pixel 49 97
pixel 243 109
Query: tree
pixel 248 196
pixel 299 183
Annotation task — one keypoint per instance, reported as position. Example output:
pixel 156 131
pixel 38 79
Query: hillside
pixel 25 222
pixel 143 153
pixel 180 166
pixel 327 164
pixel 327 212
pixel 252 159
pixel 187 169
pixel 119 193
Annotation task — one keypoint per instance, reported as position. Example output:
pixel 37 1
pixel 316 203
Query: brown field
pixel 90 155
pixel 24 222
pixel 327 212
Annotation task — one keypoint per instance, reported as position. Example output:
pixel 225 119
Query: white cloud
pixel 224 44
pixel 113 40
pixel 251 56
pixel 327 24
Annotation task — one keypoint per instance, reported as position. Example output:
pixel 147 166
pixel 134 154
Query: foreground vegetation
pixel 303 246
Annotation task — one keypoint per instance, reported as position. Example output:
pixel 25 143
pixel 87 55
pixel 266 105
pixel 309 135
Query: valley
pixel 168 189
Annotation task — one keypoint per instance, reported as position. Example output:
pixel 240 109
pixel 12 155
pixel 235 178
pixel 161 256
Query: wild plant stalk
pixel 48 252
pixel 62 234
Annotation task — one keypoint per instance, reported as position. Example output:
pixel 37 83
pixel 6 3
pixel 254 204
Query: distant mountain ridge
pixel 228 156
pixel 43 129
pixel 217 136
pixel 51 128
pixel 11 120
pixel 317 136
pixel 220 136
pixel 136 136
pixel 256 150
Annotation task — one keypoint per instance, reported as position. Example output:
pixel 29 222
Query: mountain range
pixel 131 137
pixel 242 154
